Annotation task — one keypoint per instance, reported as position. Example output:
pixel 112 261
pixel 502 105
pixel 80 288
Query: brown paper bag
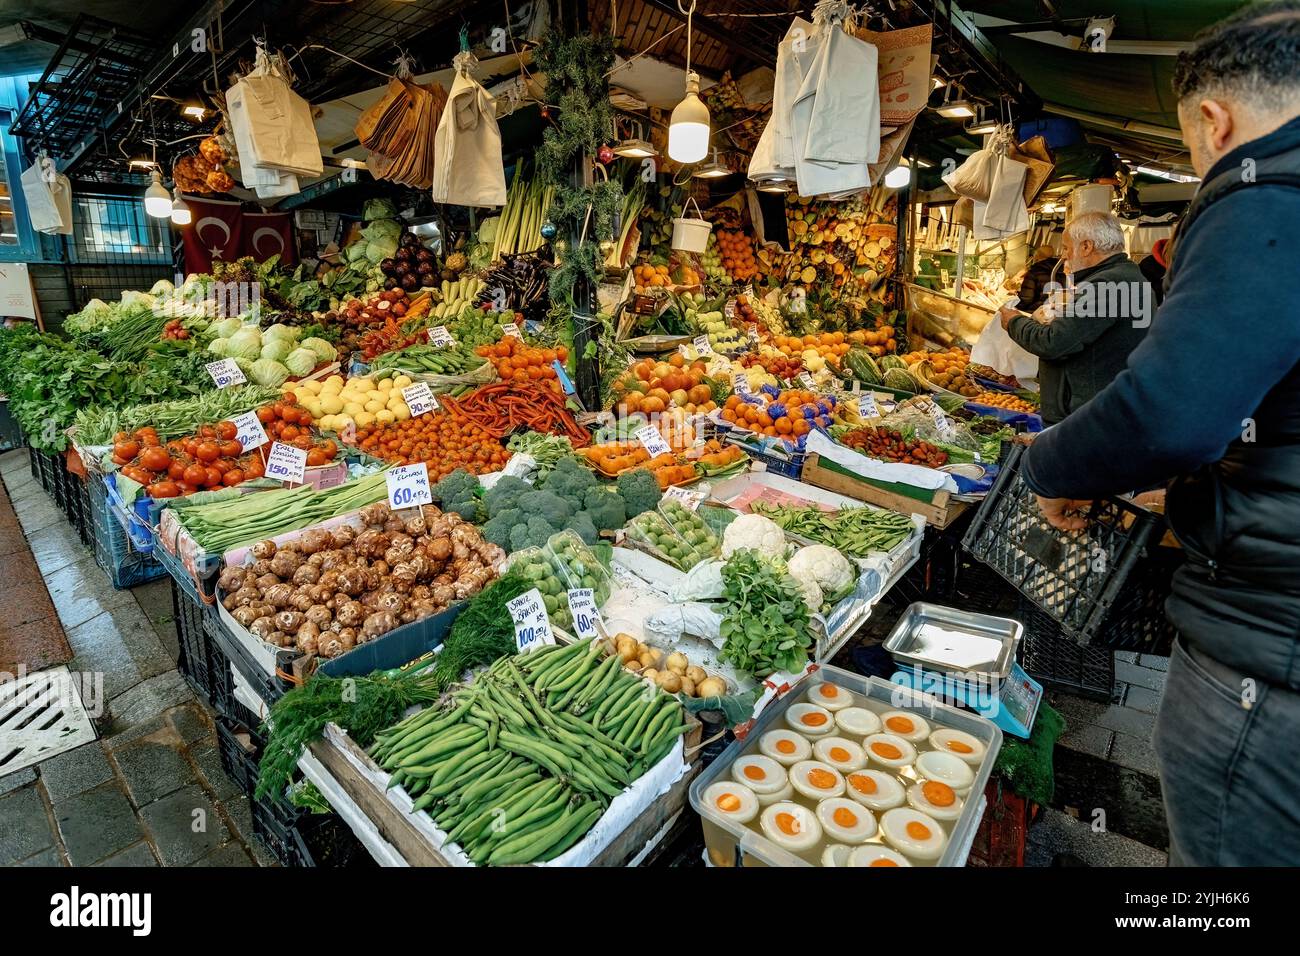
pixel 963 213
pixel 380 127
pixel 1035 154
pixel 904 71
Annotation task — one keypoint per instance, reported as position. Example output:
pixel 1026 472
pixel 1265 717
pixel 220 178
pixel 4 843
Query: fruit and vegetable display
pixel 171 419
pixel 653 533
pixel 690 527
pixel 672 671
pixel 765 623
pixel 423 359
pixel 946 370
pixel 542 741
pixel 1004 400
pixel 517 361
pixel 992 375
pixel 503 407
pixel 288 422
pixel 456 295
pixel 206 460
pixel 410 267
pixel 520 515
pixel 887 444
pixel 327 590
pixel 444 441
pixel 853 531
pixel 341 406
pixel 654 387
pixel 791 415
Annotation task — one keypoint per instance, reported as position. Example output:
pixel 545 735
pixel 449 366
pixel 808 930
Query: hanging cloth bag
pixel 281 132
pixel 49 197
pixel 467 166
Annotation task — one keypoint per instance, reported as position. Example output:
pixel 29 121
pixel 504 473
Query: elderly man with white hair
pixel 1083 342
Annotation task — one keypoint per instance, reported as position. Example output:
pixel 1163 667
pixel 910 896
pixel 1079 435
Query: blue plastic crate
pixel 137 520
pixel 124 566
pixel 788 464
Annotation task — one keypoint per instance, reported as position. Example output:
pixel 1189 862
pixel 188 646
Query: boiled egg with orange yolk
pixel 873 854
pixel 846 821
pixel 816 780
pixel 836 854
pixel 909 726
pixel 791 826
pixel 943 766
pixel 874 789
pixel 857 721
pixel 935 798
pixel 731 800
pixel 761 774
pixel 889 750
pixel 913 833
pixel 785 747
pixel 831 696
pixel 841 753
pixel 958 743
pixel 810 719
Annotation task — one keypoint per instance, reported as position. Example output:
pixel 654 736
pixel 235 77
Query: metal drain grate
pixel 41 715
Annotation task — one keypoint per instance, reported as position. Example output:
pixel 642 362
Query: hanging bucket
pixel 691 235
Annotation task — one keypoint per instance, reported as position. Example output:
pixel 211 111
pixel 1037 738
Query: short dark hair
pixel 1254 53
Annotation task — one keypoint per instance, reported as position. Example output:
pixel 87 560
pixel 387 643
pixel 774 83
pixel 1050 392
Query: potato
pixel 695 674
pixel 651 657
pixel 677 663
pixel 668 681
pixel 650 673
pixel 711 687
pixel 688 687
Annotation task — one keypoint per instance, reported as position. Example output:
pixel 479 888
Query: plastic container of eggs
pixel 848 771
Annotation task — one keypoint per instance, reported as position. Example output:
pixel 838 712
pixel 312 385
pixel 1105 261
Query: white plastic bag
pixel 702 583
pixel 278 129
pixel 675 620
pixel 973 178
pixel 49 198
pixel 996 349
pixel 1006 210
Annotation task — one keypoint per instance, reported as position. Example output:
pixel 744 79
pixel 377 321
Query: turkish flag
pixel 267 233
pixel 220 229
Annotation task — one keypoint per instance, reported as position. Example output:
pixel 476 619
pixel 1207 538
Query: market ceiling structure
pixel 1021 52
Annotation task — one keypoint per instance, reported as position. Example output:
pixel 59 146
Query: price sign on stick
pixel 806 380
pixel 532 624
pixel 251 434
pixel 689 498
pixel 419 399
pixel 438 335
pixel 740 384
pixel 652 441
pixel 225 373
pixel 702 345
pixel 408 486
pixel 286 463
pixel 587 621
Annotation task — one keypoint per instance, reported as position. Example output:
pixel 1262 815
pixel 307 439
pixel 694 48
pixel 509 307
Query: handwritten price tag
pixel 806 380
pixel 532 624
pixel 408 486
pixel 941 421
pixel 689 499
pixel 225 373
pixel 419 399
pixel 702 345
pixel 587 621
pixel 510 328
pixel 652 441
pixel 751 330
pixel 438 335
pixel 740 384
pixel 251 433
pixel 867 406
pixel 286 463
pixel 729 310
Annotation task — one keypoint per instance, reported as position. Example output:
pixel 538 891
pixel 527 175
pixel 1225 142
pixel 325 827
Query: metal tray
pixel 950 640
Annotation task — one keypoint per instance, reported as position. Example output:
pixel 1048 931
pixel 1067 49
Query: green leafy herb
pixel 765 625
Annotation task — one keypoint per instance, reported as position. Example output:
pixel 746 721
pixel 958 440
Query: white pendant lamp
pixel 157 200
pixel 181 215
pixel 899 176
pixel 688 131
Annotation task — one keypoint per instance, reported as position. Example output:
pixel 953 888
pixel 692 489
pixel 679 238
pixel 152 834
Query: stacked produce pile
pixel 501 408
pixel 272 355
pixel 410 267
pixel 886 444
pixel 443 440
pixel 542 742
pixel 854 531
pixel 653 387
pixel 790 416
pixel 339 406
pixel 327 591
pixel 515 360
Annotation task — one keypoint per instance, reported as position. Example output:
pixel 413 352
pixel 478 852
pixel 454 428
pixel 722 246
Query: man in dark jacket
pixel 1084 343
pixel 1033 287
pixel 1225 736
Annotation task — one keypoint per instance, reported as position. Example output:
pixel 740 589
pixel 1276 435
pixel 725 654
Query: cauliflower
pixel 825 567
pixel 811 593
pixel 755 532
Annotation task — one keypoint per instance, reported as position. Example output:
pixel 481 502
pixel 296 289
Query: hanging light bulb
pixel 899 176
pixel 181 215
pixel 713 169
pixel 157 201
pixel 688 131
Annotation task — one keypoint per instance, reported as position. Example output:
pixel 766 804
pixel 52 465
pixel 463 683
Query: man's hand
pixel 1006 314
pixel 1063 513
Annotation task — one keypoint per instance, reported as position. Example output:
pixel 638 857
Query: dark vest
pixel 1238 597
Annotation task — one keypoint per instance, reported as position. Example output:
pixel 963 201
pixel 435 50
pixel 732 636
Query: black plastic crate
pixel 197 660
pixel 11 433
pixel 1104 585
pixel 85 516
pixel 1056 659
pixel 33 462
pixel 299 837
pixel 241 749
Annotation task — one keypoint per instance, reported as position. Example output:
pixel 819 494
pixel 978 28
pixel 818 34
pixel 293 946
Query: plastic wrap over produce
pixel 675 620
pixel 702 583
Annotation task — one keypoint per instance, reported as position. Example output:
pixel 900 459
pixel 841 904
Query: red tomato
pixel 188 489
pixel 227 431
pixel 208 451
pixel 233 477
pixel 231 449
pixel 176 471
pixel 214 478
pixel 317 457
pixel 126 449
pixel 254 469
pixel 266 414
pixel 155 458
pixel 195 475
pixel 289 432
pixel 304 418
pixel 164 489
pixel 290 414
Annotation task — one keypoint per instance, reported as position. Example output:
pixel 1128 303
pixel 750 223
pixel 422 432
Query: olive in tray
pixel 328 590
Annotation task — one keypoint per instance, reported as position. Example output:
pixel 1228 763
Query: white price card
pixel 251 434
pixel 419 399
pixel 225 373
pixel 587 621
pixel 729 309
pixel 867 406
pixel 408 486
pixel 740 384
pixel 806 380
pixel 652 441
pixel 941 421
pixel 438 335
pixel 286 463
pixel 752 331
pixel 689 499
pixel 702 345
pixel 532 624
pixel 510 328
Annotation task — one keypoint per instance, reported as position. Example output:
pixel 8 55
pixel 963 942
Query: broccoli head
pixel 640 491
pixel 505 493
pixel 569 479
pixel 551 508
pixel 606 508
pixel 460 485
pixel 497 530
pixel 532 534
pixel 468 508
pixel 582 525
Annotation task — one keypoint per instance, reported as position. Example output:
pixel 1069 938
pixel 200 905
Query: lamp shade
pixel 181 215
pixel 157 201
pixel 688 131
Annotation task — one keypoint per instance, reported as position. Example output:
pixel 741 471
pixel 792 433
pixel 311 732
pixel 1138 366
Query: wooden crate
pixel 341 757
pixel 940 510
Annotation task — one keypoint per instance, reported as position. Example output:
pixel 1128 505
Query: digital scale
pixel 967 659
